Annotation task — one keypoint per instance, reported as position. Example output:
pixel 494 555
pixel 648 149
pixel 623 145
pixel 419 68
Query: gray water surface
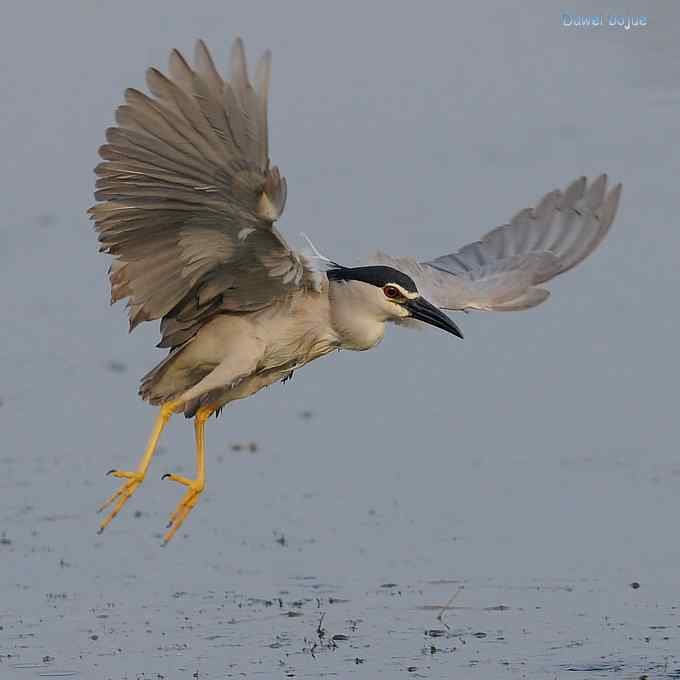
pixel 526 477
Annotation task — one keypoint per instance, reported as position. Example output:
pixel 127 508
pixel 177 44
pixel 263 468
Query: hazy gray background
pixel 536 463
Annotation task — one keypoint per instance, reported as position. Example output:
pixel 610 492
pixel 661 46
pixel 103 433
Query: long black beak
pixel 425 311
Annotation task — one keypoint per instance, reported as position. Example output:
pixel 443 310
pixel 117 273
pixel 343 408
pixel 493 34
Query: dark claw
pixel 167 474
pixel 110 472
pixel 100 531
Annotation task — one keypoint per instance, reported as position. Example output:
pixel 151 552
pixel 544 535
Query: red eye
pixel 391 292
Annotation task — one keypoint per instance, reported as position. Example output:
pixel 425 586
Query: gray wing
pixel 188 198
pixel 502 270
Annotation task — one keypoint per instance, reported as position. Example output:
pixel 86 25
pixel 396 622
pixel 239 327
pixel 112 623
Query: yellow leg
pixel 194 486
pixel 136 477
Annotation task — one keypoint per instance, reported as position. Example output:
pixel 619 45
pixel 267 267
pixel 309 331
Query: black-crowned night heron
pixel 187 204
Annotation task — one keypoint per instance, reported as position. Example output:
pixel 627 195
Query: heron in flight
pixel 186 205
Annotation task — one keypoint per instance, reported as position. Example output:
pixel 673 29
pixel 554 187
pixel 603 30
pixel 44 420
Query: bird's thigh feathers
pixel 223 352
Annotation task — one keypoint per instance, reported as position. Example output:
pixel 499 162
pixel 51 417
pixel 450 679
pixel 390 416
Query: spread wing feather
pixel 502 270
pixel 187 198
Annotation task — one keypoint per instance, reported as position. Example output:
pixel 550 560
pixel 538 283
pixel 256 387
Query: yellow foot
pixel 134 479
pixel 186 505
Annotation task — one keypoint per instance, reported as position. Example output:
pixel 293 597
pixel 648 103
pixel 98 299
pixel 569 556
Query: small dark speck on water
pixel 634 585
pixel 94 637
pixel 480 635
pixel 245 446
pixel 306 415
pixel 4 540
pixel 138 514
pixel 45 220
pixel 116 366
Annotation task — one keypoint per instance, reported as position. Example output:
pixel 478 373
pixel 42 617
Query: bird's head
pixel 386 294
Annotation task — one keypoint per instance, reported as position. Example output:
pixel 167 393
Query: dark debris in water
pixel 595 668
pixel 657 671
pixel 116 366
pixel 252 447
pixel 45 220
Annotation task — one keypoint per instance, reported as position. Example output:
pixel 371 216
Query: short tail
pixel 152 388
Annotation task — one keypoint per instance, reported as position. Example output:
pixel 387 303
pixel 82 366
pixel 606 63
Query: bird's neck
pixel 357 328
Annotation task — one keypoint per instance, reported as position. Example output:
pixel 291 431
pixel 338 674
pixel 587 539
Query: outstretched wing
pixel 501 271
pixel 188 198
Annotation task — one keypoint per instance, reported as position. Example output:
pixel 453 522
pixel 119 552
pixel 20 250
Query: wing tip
pixel 200 45
pixel 610 205
pixel 237 58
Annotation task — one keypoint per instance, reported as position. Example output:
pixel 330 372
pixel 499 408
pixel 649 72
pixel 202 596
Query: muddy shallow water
pixel 502 507
pixel 312 585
